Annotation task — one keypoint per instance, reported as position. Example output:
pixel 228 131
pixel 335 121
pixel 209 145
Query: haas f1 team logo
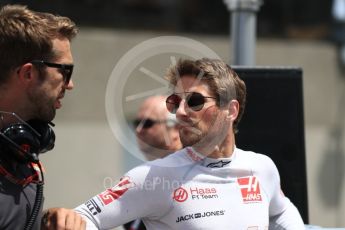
pixel 250 189
pixel 117 191
pixel 180 195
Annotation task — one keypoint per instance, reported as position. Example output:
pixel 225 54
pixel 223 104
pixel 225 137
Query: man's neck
pixel 12 100
pixel 154 153
pixel 224 149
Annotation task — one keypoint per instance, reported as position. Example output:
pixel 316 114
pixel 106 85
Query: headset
pixel 23 141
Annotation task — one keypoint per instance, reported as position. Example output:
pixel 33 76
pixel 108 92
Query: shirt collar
pixel 209 162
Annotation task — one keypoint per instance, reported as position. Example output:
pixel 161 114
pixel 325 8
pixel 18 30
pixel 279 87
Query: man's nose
pixel 181 110
pixel 70 85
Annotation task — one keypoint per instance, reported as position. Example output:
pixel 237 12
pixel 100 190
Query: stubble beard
pixel 209 137
pixel 196 134
pixel 191 137
pixel 43 105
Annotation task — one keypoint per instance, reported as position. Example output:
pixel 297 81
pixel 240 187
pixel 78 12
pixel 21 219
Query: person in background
pixel 156 129
pixel 36 66
pixel 157 135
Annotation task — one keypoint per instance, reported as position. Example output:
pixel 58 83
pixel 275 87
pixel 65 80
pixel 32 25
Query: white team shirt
pixel 188 191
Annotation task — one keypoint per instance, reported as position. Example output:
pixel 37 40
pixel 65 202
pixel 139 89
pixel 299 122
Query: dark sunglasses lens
pixel 67 73
pixel 195 101
pixel 148 123
pixel 173 102
pixel 145 124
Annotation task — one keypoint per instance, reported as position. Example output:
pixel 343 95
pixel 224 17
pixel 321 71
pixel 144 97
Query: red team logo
pixel 250 189
pixel 180 195
pixel 116 192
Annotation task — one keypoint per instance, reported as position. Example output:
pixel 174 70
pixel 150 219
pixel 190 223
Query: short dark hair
pixel 26 35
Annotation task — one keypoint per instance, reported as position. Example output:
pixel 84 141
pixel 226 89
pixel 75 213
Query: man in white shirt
pixel 210 184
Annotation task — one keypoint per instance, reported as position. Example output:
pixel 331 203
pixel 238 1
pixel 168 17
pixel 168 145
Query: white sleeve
pixel 288 219
pixel 283 214
pixel 128 200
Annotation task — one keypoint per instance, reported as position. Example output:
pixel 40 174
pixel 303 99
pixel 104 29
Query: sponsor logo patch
pixel 117 191
pixel 203 193
pixel 93 207
pixel 219 164
pixel 180 195
pixel 199 215
pixel 250 189
pixel 195 193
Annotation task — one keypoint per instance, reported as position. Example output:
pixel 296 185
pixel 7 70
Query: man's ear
pixel 233 109
pixel 26 72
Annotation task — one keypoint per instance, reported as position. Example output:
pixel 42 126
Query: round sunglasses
pixel 194 101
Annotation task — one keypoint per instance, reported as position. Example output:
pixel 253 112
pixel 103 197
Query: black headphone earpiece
pixel 24 141
pixel 47 135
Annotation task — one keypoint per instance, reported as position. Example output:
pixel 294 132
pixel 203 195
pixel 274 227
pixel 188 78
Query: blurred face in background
pixel 156 134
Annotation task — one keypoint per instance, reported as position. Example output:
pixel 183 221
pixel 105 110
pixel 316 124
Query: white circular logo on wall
pixel 140 74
